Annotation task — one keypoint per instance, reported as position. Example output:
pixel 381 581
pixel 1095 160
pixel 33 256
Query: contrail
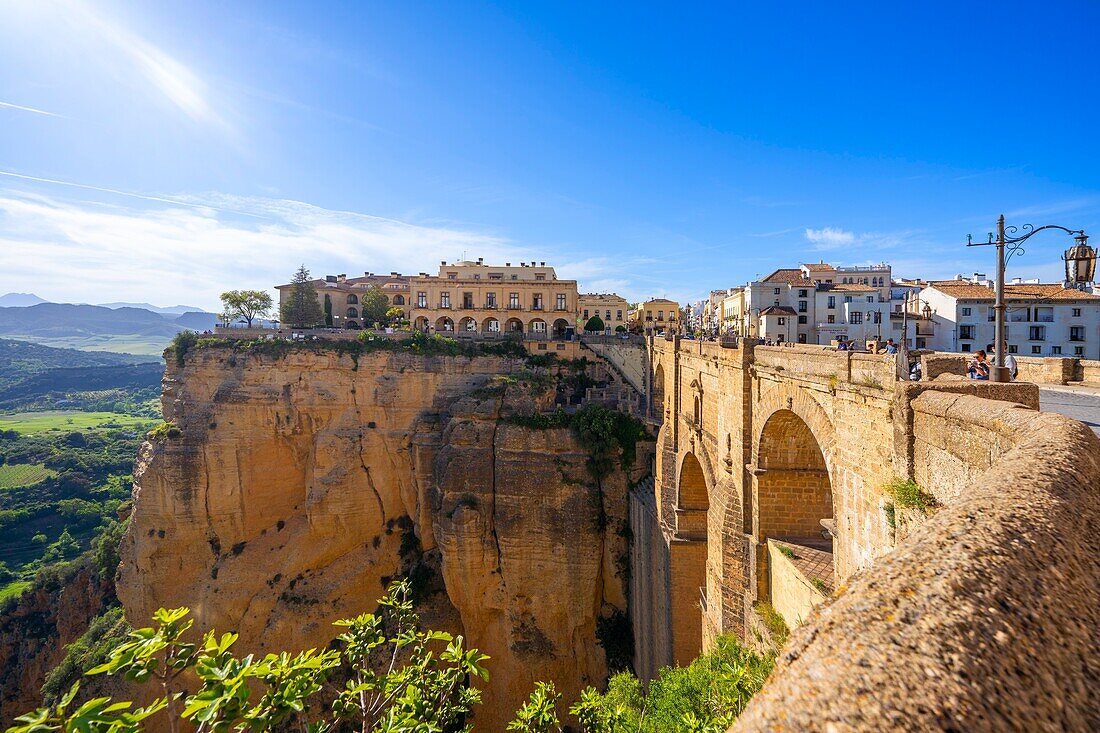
pixel 20 107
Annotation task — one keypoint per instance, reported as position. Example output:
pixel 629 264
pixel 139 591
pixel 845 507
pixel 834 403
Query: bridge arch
pixel 657 390
pixel 794 515
pixel 692 492
pixel 688 560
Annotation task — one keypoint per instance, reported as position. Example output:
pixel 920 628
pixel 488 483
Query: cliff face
pixel 302 483
pixel 34 632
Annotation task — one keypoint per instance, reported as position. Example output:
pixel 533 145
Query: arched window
pixel 353 300
pixel 353 312
pixel 399 300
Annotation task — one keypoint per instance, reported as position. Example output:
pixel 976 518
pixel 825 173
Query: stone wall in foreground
pixel 985 618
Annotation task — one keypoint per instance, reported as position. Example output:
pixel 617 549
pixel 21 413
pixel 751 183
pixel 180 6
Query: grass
pixel 28 423
pixel 13 589
pixel 906 493
pixel 18 475
pixel 777 626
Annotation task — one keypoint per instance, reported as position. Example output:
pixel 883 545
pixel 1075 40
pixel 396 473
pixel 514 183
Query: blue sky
pixel 166 151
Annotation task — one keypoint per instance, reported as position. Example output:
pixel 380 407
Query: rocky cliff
pixel 301 482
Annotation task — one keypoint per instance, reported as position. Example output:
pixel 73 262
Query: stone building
pixel 612 309
pixel 341 296
pixel 1041 320
pixel 474 297
pixel 656 314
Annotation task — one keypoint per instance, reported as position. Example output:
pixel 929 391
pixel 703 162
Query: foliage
pixel 594 325
pixel 373 305
pixel 328 310
pixel 607 434
pixel 774 621
pixel 616 636
pixel 425 685
pixel 301 309
pixel 181 344
pixel 104 633
pixel 620 329
pixel 165 431
pixel 707 695
pixel 908 494
pixel 247 304
pixel 395 314
pixel 537 715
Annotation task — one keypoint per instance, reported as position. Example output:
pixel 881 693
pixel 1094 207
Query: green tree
pixel 537 714
pixel 620 329
pixel 328 309
pixel 247 304
pixel 373 306
pixel 594 325
pixel 395 314
pixel 302 309
pixel 425 685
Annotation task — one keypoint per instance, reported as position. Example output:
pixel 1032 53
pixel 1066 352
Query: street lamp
pixel 1080 263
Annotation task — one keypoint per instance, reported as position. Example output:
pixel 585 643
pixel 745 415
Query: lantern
pixel 1080 262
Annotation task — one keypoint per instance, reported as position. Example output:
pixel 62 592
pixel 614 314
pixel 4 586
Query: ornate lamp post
pixel 1080 259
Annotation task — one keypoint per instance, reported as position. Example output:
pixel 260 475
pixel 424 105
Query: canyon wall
pixel 301 482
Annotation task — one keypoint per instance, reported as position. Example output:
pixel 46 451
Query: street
pixel 1083 406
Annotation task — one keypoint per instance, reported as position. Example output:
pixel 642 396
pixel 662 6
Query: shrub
pixel 181 344
pixel 906 493
pixel 165 431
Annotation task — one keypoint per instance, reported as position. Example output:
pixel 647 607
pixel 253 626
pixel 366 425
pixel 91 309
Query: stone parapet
pixel 985 617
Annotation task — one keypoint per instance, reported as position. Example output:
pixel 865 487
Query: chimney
pixel 507 264
pixel 542 264
pixel 330 278
pixel 479 260
pixel 443 263
pixel 394 274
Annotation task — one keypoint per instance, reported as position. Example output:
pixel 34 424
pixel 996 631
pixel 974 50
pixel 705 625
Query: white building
pixel 1041 319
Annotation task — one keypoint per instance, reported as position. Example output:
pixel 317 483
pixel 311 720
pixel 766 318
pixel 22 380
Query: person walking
pixel 1010 363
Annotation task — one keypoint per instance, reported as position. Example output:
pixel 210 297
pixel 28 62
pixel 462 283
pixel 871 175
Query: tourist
pixel 979 366
pixel 841 344
pixel 1010 363
pixel 891 347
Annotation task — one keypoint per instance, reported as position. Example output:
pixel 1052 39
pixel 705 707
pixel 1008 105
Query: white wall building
pixel 1042 319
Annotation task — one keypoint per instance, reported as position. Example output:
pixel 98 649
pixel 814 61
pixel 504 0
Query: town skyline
pixel 636 161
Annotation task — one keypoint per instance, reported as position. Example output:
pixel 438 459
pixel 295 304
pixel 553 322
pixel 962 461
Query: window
pixel 847 299
pixel 586 314
pixel 399 300
pixel 1078 350
pixel 992 315
pixel 515 277
pixel 444 300
pixel 855 317
pixel 965 347
pixel 801 306
pixel 607 315
pixel 832 301
pixel 560 302
pixel 831 318
pixel 495 276
pixel 476 277
pixel 536 303
pixel 870 299
pixel 421 299
pixel 966 311
pixel 802 293
pixel 782 321
pixel 1076 312
pixel 618 315
pixel 538 326
pixel 660 315
pixel 467 300
pixel 1076 333
pixel 777 291
pixel 1019 315
pixel 452 275
pixel 1036 349
pixel 1037 333
pixel 1013 349
pixel 1056 350
pixel 802 319
pixel 494 325
pixel 1044 315
pixel 490 300
pixel 878 317
pixel 352 300
pixel 513 300
pixel 540 277
pixel 966 332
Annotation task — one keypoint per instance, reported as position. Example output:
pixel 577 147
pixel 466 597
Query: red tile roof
pixel 1043 291
pixel 789 276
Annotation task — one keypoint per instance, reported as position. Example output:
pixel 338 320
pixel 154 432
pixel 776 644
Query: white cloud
pixel 829 237
pixel 189 252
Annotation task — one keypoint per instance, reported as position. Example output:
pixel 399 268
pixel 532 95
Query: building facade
pixel 612 309
pixel 1041 319
pixel 656 314
pixel 471 297
pixel 340 296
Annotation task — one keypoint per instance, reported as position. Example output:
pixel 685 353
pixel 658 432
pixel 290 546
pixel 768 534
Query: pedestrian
pixel 1010 363
pixel 891 347
pixel 841 344
pixel 979 366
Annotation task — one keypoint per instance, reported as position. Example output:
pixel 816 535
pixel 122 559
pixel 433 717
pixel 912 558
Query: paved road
pixel 1079 406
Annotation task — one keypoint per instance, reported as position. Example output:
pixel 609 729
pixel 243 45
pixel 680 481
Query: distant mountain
pixel 18 300
pixel 197 321
pixel 90 327
pixel 175 310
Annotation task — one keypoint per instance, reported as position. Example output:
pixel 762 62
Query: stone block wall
pixel 985 618
pixel 629 358
pixel 792 594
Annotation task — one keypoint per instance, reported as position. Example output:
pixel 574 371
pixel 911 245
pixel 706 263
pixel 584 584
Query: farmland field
pixel 67 420
pixel 17 475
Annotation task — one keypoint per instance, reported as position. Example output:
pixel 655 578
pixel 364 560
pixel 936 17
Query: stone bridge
pixel 762 450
